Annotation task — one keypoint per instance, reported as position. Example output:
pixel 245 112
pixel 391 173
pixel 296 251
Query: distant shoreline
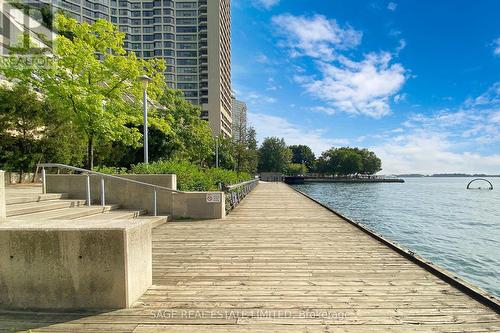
pixel 354 180
pixel 447 175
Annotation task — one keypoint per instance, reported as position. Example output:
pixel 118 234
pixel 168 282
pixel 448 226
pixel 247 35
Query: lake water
pixel 437 218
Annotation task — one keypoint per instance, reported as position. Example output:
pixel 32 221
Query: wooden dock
pixel 278 263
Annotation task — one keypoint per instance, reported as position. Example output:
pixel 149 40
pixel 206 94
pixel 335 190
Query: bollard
pixel 89 199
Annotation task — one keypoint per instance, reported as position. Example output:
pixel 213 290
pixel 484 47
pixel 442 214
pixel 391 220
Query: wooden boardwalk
pixel 278 263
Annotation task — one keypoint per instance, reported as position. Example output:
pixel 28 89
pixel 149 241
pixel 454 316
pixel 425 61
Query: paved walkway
pixel 279 263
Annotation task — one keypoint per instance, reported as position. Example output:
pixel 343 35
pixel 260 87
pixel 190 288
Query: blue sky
pixel 417 81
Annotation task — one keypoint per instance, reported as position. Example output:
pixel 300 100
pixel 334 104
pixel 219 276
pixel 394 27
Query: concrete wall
pixel 128 195
pixel 2 195
pixel 168 181
pixel 136 196
pixel 195 205
pixel 64 267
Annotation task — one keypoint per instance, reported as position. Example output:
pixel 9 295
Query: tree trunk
pixel 90 153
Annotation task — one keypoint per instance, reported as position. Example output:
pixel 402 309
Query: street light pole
pixel 145 80
pixel 217 151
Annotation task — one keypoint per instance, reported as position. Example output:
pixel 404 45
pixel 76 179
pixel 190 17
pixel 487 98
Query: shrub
pixel 296 169
pixel 226 177
pixel 191 177
pixel 110 170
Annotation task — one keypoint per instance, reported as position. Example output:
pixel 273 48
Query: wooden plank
pixel 276 264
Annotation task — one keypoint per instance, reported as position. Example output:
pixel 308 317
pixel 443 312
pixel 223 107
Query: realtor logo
pixel 25 28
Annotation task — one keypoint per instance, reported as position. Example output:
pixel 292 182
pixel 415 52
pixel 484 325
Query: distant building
pixel 192 36
pixel 239 110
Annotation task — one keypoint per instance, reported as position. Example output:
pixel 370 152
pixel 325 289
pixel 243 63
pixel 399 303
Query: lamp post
pixel 217 151
pixel 145 81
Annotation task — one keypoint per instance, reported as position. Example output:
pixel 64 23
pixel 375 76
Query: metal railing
pixel 102 185
pixel 235 193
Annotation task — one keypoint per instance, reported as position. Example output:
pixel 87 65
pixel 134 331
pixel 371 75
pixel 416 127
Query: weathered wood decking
pixel 279 262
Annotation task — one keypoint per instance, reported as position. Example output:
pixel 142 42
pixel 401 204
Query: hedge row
pixel 189 176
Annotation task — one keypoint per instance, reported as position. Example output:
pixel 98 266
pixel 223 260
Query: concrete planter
pixel 136 196
pixel 61 265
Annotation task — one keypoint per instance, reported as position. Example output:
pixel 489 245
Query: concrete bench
pixel 74 264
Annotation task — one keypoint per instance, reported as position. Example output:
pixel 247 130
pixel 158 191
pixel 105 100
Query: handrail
pixel 232 187
pixel 105 175
pixel 102 185
pixel 235 193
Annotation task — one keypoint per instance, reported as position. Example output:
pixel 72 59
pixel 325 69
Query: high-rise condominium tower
pixel 193 36
pixel 239 119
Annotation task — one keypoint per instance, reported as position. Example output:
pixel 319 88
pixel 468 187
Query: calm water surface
pixel 437 218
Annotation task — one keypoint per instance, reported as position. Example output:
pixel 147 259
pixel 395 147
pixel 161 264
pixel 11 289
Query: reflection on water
pixel 437 218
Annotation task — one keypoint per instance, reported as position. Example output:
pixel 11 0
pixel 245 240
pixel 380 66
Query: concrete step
pixel 72 213
pixel 156 221
pixel 127 215
pixel 13 199
pixel 42 206
pixel 115 215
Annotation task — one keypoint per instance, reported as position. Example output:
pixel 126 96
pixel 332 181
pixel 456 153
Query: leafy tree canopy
pixel 296 169
pixel 348 161
pixel 302 154
pixel 95 81
pixel 274 155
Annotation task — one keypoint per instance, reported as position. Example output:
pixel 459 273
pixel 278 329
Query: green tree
pixel 302 154
pixel 21 127
pixel 95 80
pixel 191 137
pixel 274 155
pixel 348 161
pixel 33 130
pixel 251 161
pixel 351 162
pixel 227 152
pixel 329 162
pixel 371 163
pixel 62 141
pixel 296 169
pixel 246 154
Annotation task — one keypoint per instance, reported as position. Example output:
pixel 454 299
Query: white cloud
pixel 395 33
pixel 271 85
pixel 461 140
pixel 267 125
pixel 495 117
pixel 392 6
pixel 399 98
pixel 490 97
pixel 358 87
pixel 429 153
pixel 262 58
pixel 496 47
pixel 324 109
pixel 266 4
pixel 315 36
pixel 401 46
pixel 255 98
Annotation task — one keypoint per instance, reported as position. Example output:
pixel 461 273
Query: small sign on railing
pixel 213 197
